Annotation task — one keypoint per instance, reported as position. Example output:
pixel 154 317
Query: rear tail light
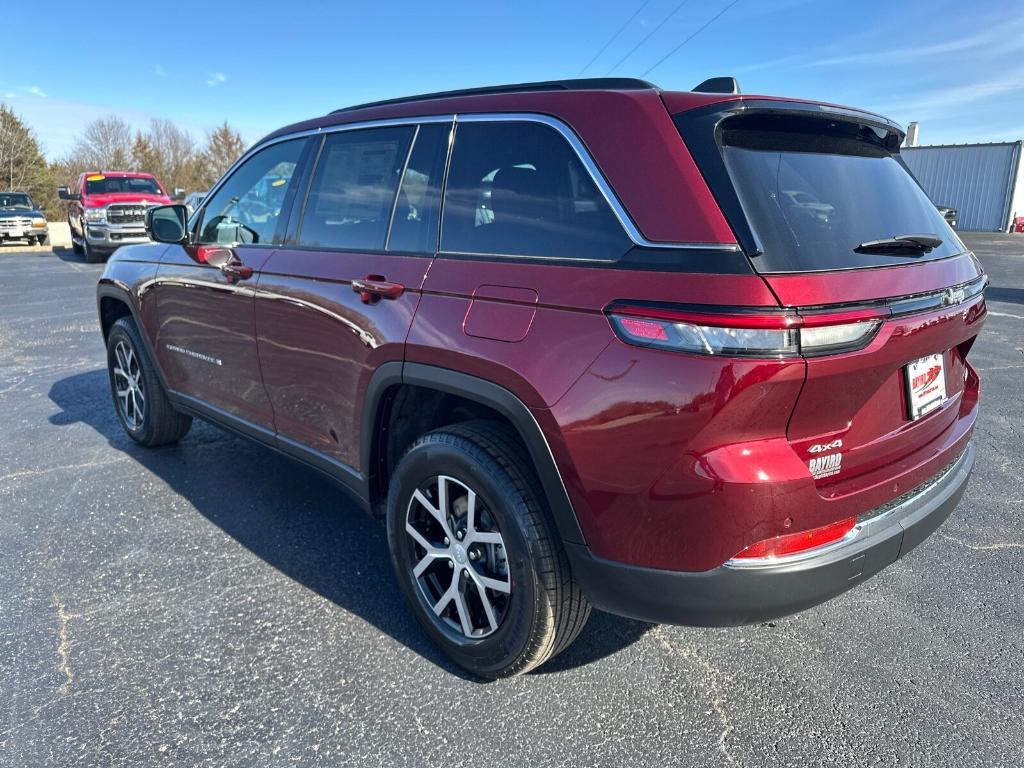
pixel 798 543
pixel 742 333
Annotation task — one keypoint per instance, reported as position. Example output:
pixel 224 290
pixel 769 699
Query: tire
pixel 75 247
pixel 146 414
pixel 537 609
pixel 92 256
pixel 43 240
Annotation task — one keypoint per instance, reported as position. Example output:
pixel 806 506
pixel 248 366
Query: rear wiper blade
pixel 921 243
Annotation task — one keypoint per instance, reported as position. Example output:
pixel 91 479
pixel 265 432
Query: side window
pixel 248 205
pixel 353 188
pixel 414 227
pixel 519 189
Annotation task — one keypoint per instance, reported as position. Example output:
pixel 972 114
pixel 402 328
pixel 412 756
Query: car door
pixel 337 300
pixel 204 291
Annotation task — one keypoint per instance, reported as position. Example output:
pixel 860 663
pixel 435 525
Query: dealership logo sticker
pixel 825 466
pixel 921 381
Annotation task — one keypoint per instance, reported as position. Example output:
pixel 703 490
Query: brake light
pixel 743 333
pixel 795 543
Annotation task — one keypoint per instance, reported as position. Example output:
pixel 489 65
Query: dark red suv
pixel 688 357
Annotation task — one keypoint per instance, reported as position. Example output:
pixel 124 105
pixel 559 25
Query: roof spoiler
pixel 718 85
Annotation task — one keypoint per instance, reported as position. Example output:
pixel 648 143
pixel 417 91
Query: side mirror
pixel 66 194
pixel 167 224
pixel 178 192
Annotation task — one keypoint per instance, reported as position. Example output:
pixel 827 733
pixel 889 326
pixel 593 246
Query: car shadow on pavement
pixel 65 253
pixel 298 521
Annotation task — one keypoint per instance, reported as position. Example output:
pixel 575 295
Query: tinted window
pixel 353 189
pixel 247 207
pixel 107 185
pixel 813 190
pixel 414 227
pixel 519 189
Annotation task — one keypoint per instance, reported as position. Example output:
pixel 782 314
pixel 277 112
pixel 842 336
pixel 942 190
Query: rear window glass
pixel 813 190
pixel 519 189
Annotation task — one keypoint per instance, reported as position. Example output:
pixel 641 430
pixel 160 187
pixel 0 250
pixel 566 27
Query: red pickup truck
pixel 108 209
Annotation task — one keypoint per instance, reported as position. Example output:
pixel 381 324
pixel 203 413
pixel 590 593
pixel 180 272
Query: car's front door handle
pixel 236 271
pixel 373 288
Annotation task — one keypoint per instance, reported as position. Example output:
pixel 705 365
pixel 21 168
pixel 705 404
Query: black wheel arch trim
pixel 486 393
pixel 108 289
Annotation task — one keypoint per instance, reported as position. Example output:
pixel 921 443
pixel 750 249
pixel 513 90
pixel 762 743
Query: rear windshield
pixel 813 190
pixel 106 185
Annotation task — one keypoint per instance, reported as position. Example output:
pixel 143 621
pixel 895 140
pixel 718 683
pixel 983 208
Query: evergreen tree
pixel 22 165
pixel 223 147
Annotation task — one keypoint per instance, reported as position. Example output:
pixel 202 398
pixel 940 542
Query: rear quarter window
pixel 518 189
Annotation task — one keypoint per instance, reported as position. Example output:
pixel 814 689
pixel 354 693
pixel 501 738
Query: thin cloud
pixel 159 71
pixel 216 78
pixel 35 90
pixel 997 39
pixel 940 101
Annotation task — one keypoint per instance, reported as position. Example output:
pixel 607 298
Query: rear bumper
pixel 743 593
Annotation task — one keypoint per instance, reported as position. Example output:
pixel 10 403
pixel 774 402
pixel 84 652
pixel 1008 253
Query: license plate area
pixel 925 381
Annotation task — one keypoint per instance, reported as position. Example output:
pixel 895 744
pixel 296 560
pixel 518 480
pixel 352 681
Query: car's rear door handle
pixel 373 288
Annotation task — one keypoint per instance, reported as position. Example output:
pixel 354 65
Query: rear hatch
pixel 834 222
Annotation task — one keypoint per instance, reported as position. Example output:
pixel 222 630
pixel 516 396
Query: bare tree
pixel 106 144
pixel 177 158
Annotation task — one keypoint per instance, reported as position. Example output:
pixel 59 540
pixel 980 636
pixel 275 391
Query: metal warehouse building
pixel 982 181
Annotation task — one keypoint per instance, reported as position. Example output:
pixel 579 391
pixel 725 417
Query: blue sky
pixel 956 67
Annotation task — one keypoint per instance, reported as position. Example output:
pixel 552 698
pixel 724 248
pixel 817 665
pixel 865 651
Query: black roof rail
pixel 578 84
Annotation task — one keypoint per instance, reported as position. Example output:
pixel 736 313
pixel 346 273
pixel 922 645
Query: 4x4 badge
pixel 822 447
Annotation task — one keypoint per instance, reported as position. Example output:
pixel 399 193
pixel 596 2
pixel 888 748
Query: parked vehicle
pixel 107 210
pixel 193 200
pixel 20 218
pixel 949 214
pixel 575 347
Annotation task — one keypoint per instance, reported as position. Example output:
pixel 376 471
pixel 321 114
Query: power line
pixel 661 61
pixel 614 37
pixel 648 37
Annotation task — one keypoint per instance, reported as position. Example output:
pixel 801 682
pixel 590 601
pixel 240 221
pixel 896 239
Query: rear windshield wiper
pixel 900 243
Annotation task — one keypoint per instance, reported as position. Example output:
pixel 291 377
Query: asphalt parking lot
pixel 212 603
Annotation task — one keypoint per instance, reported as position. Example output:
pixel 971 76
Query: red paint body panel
pixel 205 342
pixel 568 330
pixel 319 344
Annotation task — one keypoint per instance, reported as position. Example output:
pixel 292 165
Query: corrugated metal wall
pixel 976 179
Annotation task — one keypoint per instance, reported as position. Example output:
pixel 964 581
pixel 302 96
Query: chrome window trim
pixel 627 223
